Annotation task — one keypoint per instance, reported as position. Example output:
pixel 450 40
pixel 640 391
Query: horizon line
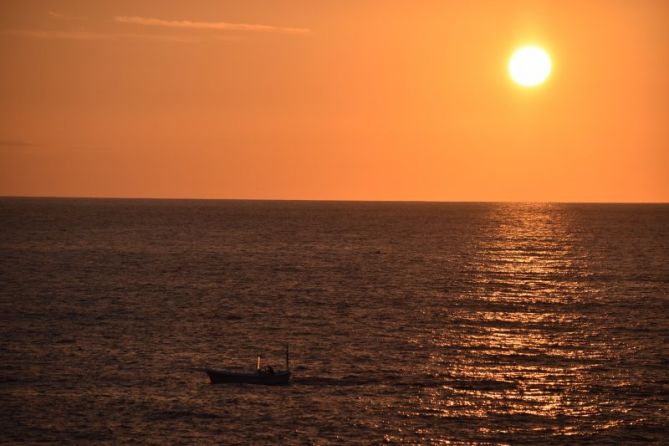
pixel 319 200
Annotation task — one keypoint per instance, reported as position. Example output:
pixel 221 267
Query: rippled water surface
pixel 411 323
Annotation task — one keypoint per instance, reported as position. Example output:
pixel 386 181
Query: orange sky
pixel 353 100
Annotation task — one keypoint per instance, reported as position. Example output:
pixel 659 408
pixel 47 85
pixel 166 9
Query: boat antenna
pixel 287 359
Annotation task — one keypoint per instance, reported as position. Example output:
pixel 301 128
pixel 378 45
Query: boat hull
pixel 223 377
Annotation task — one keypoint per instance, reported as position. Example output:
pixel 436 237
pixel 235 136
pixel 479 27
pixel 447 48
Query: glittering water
pixel 408 323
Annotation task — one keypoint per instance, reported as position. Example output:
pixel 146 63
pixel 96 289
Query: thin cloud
pixel 16 146
pixel 100 36
pixel 61 16
pixel 19 145
pixel 15 143
pixel 187 24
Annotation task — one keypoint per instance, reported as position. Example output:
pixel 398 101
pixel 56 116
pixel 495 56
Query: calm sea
pixel 408 323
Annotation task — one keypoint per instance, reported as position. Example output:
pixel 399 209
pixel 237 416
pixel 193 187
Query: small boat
pixel 259 377
pixel 262 375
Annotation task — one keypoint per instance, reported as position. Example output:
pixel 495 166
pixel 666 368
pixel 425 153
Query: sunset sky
pixel 350 100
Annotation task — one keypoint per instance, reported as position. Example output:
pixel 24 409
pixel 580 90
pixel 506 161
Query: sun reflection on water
pixel 519 346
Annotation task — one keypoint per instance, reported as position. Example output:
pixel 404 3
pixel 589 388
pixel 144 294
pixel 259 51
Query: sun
pixel 530 66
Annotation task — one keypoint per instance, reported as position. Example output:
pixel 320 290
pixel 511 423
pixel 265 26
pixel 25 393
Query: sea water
pixel 408 323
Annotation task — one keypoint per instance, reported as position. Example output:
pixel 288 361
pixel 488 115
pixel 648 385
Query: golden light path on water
pixel 527 355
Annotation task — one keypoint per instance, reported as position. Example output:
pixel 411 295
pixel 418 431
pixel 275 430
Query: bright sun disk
pixel 530 66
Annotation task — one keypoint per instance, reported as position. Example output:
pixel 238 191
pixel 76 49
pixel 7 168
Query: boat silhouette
pixel 263 375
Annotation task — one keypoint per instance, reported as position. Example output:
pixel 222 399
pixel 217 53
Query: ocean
pixel 408 323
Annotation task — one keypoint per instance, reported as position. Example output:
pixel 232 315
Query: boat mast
pixel 287 359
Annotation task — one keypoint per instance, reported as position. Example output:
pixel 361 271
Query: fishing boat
pixel 262 375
